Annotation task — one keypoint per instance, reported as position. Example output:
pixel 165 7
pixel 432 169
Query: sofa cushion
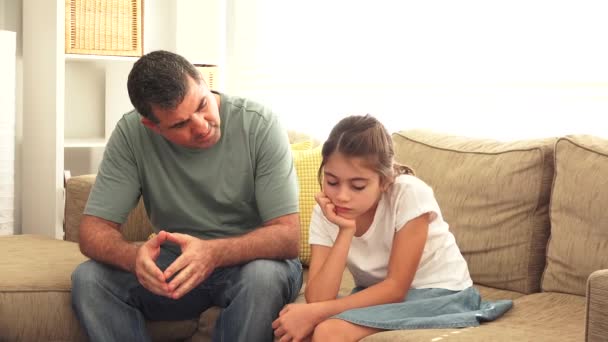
pixel 35 299
pixel 495 197
pixel 307 160
pixel 579 215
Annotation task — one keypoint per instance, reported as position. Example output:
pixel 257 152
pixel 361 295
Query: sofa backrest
pixel 495 197
pixel 579 214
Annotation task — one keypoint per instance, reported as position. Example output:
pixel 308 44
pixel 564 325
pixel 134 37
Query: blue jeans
pixel 112 305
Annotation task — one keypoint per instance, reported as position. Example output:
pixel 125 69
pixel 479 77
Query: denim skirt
pixel 429 309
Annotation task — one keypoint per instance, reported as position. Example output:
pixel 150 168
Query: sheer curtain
pixel 505 70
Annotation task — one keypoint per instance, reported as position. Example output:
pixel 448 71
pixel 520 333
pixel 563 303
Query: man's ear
pixel 150 124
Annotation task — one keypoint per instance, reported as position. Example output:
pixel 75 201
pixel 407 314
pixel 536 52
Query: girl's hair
pixel 364 136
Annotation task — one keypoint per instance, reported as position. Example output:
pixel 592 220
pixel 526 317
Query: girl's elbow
pixel 398 296
pixel 397 293
pixel 309 297
pixel 313 297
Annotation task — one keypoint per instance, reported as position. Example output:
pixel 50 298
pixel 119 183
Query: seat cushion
pixel 495 197
pixel 35 299
pixel 579 229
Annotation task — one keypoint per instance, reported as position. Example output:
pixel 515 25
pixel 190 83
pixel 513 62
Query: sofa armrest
pixel 77 189
pixel 596 322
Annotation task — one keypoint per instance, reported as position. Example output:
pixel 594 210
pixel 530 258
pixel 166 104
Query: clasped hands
pixel 195 264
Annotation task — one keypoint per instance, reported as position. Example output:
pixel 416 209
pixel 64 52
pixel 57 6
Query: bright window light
pixel 499 69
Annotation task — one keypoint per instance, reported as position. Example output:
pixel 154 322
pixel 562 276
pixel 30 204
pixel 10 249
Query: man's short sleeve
pixel 117 187
pixel 276 189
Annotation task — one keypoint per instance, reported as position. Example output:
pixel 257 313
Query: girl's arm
pixel 326 268
pixel 327 263
pixel 406 252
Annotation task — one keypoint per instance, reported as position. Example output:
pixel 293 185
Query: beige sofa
pixel 529 216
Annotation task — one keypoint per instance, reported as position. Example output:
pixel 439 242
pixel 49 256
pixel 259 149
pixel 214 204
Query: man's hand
pixel 197 261
pixel 148 274
pixel 329 211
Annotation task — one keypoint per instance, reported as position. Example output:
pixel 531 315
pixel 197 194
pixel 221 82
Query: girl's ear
pixel 386 183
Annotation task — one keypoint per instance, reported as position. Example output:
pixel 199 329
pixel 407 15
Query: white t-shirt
pixel 441 265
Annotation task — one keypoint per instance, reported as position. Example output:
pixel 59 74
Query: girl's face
pixel 351 186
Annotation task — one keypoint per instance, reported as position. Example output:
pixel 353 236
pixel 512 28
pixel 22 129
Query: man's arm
pixel 276 239
pixel 101 240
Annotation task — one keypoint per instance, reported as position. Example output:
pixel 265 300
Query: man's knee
pixel 267 272
pixel 84 275
pixel 271 276
pixel 91 277
pixel 84 280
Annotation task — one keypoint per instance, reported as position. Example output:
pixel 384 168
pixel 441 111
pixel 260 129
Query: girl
pixel 376 218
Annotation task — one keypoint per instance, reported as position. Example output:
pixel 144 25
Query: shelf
pixel 83 96
pixel 75 57
pixel 79 143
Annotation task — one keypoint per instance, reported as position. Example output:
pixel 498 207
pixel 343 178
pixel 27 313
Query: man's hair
pixel 365 137
pixel 159 79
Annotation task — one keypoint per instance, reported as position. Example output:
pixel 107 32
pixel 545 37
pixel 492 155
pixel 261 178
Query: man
pixel 218 183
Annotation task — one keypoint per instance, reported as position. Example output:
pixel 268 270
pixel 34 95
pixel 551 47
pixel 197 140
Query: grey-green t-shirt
pixel 247 178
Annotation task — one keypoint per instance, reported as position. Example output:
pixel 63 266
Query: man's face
pixel 194 123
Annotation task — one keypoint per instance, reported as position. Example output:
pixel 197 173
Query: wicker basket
pixel 103 27
pixel 209 73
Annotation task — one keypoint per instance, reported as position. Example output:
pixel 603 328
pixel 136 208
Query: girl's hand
pixel 297 322
pixel 329 210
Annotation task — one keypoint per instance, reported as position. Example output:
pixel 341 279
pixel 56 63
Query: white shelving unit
pixel 72 102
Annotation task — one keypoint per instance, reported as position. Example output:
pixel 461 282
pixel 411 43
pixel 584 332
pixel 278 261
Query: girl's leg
pixel 339 330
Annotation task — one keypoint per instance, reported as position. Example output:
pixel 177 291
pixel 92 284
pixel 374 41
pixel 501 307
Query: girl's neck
pixel 365 221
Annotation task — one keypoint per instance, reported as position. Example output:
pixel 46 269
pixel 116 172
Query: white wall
pixel 10 20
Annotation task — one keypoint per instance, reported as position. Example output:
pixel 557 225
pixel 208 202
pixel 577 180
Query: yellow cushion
pixel 306 161
pixel 301 146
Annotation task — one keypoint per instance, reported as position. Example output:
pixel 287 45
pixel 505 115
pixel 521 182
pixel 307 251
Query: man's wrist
pixel 219 250
pixel 132 259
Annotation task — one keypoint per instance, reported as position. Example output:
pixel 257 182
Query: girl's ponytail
pixel 400 169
